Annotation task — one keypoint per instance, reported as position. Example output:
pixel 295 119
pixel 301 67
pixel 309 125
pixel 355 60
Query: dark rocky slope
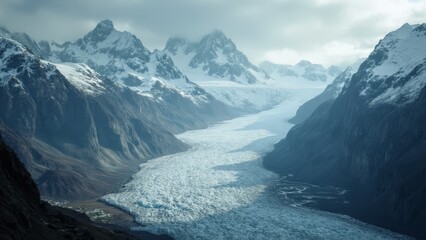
pixel 371 140
pixel 24 216
pixel 331 92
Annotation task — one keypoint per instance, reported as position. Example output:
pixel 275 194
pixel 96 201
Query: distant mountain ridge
pixel 217 65
pixel 303 69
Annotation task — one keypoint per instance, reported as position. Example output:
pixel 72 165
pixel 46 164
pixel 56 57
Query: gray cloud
pixel 259 28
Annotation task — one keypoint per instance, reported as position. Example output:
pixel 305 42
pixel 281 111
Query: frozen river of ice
pixel 219 190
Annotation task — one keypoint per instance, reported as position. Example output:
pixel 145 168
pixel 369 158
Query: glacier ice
pixel 219 190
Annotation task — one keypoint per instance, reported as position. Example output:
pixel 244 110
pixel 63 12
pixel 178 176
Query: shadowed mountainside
pixel 24 216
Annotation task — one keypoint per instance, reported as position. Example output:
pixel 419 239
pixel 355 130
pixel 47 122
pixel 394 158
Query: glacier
pixel 219 189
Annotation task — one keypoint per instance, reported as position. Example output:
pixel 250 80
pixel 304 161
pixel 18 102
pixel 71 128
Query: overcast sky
pixel 282 31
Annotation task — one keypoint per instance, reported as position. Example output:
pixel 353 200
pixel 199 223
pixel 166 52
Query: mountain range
pixel 124 59
pixel 218 66
pixel 82 116
pixel 370 139
pixel 304 69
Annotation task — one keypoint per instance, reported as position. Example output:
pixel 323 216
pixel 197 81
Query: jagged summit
pixel 395 68
pixel 216 37
pixel 216 55
pixel 102 30
pixel 106 50
pixel 105 24
pixel 105 36
pixel 217 43
pixel 303 63
pixel 174 43
pixel 217 33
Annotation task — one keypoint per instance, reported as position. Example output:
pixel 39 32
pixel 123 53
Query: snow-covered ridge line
pixel 303 70
pixel 122 57
pixel 82 77
pixel 397 67
pixel 202 62
pixel 9 49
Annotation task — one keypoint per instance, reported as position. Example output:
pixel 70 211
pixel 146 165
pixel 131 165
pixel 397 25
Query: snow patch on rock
pixel 82 77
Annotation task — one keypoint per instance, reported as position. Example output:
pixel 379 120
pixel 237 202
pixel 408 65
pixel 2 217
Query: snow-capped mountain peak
pixel 403 48
pixel 215 56
pixel 217 48
pixel 175 43
pixel 102 30
pixel 103 40
pixel 303 63
pixel 394 73
pixel 217 40
pixel 12 55
pixel 121 57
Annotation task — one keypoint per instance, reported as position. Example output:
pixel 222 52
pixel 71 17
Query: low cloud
pixel 283 31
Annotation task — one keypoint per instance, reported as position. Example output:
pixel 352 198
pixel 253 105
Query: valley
pixel 104 138
pixel 219 189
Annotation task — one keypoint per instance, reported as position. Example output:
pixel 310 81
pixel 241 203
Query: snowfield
pixel 219 190
pixel 82 77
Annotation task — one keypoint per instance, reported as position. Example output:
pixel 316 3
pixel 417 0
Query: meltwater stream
pixel 219 190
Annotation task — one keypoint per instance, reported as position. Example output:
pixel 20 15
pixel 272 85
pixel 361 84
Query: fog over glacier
pixel 219 190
